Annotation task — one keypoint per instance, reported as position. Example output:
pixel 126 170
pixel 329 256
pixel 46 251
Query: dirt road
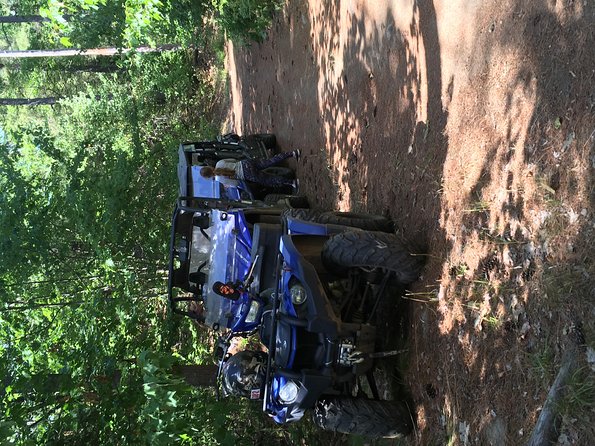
pixel 472 124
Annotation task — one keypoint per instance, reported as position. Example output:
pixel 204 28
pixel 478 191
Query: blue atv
pixel 311 285
pixel 212 231
pixel 215 240
pixel 328 272
pixel 195 155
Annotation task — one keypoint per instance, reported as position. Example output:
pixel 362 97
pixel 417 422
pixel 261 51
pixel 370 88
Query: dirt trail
pixel 472 125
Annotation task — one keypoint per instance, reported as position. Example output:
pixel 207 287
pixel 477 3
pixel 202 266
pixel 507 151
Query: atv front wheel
pixel 371 418
pixel 369 250
pixel 367 222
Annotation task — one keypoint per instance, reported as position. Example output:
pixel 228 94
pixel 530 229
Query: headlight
pixel 253 313
pixel 298 294
pixel 289 392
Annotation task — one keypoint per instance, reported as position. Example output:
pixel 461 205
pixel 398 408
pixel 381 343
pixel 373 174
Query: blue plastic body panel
pixel 230 261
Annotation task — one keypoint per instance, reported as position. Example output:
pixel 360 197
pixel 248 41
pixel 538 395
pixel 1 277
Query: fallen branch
pixel 547 429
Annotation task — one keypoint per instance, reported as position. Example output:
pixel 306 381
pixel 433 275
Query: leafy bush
pixel 245 20
pixel 130 23
pixel 88 187
pixel 87 190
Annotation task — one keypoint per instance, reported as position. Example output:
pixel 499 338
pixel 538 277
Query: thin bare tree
pixel 84 52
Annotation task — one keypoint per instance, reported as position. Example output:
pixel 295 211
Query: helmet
pixel 243 374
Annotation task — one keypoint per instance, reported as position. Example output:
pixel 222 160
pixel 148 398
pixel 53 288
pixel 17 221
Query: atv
pixel 311 286
pixel 195 155
pixel 217 240
pixel 328 272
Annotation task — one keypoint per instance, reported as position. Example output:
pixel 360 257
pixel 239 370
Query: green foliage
pixel 123 23
pixel 245 20
pixel 174 413
pixel 86 341
pixel 88 187
pixel 129 23
pixel 132 23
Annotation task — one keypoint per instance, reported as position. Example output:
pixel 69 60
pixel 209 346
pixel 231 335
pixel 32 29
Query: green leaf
pixel 65 41
pixel 171 401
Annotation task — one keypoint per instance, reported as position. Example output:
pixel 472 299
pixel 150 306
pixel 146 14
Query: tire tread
pixel 372 418
pixel 365 249
pixel 357 220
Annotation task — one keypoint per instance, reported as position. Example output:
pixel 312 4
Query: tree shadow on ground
pixel 365 101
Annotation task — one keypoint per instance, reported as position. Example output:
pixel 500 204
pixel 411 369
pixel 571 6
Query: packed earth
pixel 472 125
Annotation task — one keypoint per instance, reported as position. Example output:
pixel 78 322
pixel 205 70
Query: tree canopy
pixel 88 347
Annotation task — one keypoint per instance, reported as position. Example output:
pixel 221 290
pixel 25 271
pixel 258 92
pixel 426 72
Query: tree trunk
pixel 93 69
pixel 196 375
pixel 28 18
pixel 29 101
pixel 27 306
pixel 547 428
pixel 44 101
pixel 23 19
pixel 84 52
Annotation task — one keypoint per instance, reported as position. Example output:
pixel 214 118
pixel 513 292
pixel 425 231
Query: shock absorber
pixel 358 315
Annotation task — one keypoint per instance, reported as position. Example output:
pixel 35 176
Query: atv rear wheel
pixel 280 171
pixel 268 139
pixel 368 250
pixel 295 201
pixel 371 418
pixel 354 219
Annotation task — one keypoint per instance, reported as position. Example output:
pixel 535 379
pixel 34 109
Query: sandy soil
pixel 471 124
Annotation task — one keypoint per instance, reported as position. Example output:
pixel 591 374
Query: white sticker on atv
pixel 255 394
